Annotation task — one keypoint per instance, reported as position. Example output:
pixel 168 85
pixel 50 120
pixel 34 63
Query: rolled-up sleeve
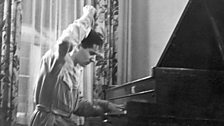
pixel 79 29
pixel 97 108
pixel 88 109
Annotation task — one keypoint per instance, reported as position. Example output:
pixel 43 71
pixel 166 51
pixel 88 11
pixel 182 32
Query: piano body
pixel 187 84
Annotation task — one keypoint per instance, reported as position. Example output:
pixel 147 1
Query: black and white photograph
pixel 112 63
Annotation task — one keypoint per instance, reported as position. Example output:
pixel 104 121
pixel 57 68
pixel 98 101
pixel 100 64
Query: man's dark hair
pixel 91 39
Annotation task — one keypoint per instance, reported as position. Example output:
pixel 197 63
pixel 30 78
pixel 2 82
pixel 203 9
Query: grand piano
pixel 187 84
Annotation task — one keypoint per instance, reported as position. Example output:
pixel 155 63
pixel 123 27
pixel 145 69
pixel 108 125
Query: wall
pixel 140 38
pixel 145 27
pixel 164 15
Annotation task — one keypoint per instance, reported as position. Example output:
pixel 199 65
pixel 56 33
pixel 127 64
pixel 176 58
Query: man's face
pixel 84 56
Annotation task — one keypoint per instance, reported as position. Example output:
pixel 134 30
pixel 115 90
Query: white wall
pixel 164 15
pixel 145 27
pixel 140 39
pixel 152 24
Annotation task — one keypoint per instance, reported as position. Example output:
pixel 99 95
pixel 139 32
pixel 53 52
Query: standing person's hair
pixel 91 39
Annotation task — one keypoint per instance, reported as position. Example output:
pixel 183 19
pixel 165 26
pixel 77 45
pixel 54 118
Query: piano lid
pixel 197 41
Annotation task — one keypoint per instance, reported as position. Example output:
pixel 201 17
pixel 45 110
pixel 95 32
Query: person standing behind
pixel 57 91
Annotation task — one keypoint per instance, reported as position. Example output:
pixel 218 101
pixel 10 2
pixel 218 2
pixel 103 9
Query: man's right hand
pixel 89 10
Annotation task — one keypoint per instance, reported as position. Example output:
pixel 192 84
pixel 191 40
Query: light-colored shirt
pixel 57 90
pixel 74 33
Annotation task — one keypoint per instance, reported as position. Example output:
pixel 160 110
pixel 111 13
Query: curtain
pixel 106 66
pixel 10 62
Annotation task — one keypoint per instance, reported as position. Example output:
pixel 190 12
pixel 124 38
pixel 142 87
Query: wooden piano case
pixel 187 85
pixel 140 91
pixel 188 93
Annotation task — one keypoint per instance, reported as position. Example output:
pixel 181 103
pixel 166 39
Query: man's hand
pixel 89 10
pixel 115 108
pixel 109 106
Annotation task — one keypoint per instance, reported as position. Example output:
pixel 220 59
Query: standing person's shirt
pixel 58 85
pixel 74 33
pixel 56 93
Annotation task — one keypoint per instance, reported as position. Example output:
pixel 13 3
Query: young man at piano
pixel 57 90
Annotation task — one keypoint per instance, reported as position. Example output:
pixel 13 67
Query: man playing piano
pixel 57 89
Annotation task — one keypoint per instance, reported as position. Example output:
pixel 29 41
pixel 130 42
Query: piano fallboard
pixel 138 90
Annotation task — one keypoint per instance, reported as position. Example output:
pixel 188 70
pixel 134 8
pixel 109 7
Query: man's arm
pixel 88 109
pixel 72 37
pixel 97 108
pixel 80 28
pixel 44 69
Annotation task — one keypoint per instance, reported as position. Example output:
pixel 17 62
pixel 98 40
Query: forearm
pixel 97 108
pixel 89 109
pixel 80 28
pixel 88 17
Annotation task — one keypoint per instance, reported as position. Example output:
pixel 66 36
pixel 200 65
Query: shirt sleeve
pixel 43 71
pixel 97 108
pixel 88 109
pixel 79 29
